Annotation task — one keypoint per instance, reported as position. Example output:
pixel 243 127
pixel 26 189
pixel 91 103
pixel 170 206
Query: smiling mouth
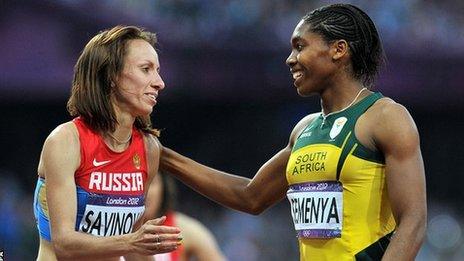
pixel 151 96
pixel 297 75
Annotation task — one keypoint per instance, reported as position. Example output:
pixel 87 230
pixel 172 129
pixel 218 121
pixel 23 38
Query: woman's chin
pixel 303 92
pixel 145 112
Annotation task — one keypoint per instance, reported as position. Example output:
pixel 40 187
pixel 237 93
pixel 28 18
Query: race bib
pixel 317 209
pixel 109 215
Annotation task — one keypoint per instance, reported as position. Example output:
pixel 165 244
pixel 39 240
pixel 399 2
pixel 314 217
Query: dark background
pixel 229 101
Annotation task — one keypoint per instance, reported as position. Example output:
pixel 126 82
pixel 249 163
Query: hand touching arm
pixel 253 196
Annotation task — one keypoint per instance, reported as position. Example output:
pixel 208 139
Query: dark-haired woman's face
pixel 139 82
pixel 310 61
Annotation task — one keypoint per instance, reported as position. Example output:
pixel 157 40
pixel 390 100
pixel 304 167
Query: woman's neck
pixel 342 97
pixel 120 138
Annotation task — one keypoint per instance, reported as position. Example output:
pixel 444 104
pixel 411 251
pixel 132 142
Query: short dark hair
pixel 348 22
pixel 99 64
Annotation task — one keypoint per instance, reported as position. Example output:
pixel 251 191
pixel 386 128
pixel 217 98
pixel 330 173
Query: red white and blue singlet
pixel 110 186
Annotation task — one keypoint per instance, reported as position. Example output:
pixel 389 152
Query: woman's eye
pixel 299 47
pixel 146 69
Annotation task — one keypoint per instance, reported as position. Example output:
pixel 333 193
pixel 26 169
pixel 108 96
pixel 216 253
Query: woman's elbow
pixel 62 248
pixel 255 211
pixel 256 208
pixel 252 203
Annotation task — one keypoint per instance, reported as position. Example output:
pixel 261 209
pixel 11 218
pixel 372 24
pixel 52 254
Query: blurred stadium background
pixel 229 101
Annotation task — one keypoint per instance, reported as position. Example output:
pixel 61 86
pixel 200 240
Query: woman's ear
pixel 340 49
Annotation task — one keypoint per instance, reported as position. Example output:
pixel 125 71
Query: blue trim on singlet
pixel 97 206
pixel 41 218
pixel 82 196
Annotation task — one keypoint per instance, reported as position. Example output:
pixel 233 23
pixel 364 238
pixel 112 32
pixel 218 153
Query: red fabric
pixel 104 171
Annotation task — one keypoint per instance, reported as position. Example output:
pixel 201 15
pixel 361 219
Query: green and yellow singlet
pixel 337 190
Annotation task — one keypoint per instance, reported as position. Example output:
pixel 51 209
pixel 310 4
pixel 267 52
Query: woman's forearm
pixel 407 240
pixel 152 238
pixel 226 189
pixel 80 245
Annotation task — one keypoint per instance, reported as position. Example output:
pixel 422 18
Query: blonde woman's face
pixel 139 83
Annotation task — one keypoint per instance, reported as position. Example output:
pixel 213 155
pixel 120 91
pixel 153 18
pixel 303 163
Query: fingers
pixel 165 247
pixel 162 238
pixel 156 221
pixel 158 248
pixel 151 229
pixel 158 238
pixel 154 238
pixel 160 244
pixel 154 226
pixel 168 237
